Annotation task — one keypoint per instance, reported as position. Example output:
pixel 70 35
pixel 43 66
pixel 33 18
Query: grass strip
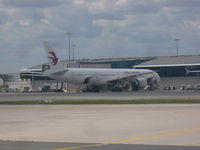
pixel 94 102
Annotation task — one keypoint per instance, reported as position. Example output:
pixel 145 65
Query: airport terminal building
pixel 182 71
pixel 175 71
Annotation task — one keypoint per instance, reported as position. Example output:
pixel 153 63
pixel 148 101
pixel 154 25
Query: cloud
pixel 31 3
pixel 182 3
pixel 101 29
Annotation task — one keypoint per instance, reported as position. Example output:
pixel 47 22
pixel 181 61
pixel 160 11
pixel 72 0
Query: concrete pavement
pixel 169 124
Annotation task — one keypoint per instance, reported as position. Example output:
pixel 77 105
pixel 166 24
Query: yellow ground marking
pixel 172 134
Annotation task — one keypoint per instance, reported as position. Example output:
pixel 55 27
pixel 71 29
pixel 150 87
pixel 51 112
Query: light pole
pixel 177 40
pixel 69 36
pixel 73 47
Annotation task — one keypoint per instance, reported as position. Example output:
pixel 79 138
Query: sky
pixel 100 29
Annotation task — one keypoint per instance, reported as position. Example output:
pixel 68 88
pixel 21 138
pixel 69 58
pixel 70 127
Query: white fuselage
pixel 94 78
pixel 100 76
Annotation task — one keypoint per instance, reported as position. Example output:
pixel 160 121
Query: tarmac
pixel 54 146
pixel 100 127
pixel 100 96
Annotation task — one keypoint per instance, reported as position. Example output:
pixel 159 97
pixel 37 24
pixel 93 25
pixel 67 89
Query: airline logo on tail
pixel 53 58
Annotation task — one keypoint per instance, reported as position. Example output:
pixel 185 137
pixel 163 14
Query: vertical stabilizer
pixel 54 62
pixel 51 55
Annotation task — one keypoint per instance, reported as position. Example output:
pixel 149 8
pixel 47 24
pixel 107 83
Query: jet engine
pixel 139 84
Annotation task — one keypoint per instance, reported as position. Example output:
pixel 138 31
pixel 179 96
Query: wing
pixel 129 78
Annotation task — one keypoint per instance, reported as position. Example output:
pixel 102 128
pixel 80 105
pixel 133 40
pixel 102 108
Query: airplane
pixel 96 79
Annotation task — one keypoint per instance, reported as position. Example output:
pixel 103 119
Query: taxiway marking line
pixel 172 134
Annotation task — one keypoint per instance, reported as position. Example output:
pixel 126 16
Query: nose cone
pixel 156 78
pixel 156 75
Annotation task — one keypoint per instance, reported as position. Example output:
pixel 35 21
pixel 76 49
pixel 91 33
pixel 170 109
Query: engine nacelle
pixel 139 83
